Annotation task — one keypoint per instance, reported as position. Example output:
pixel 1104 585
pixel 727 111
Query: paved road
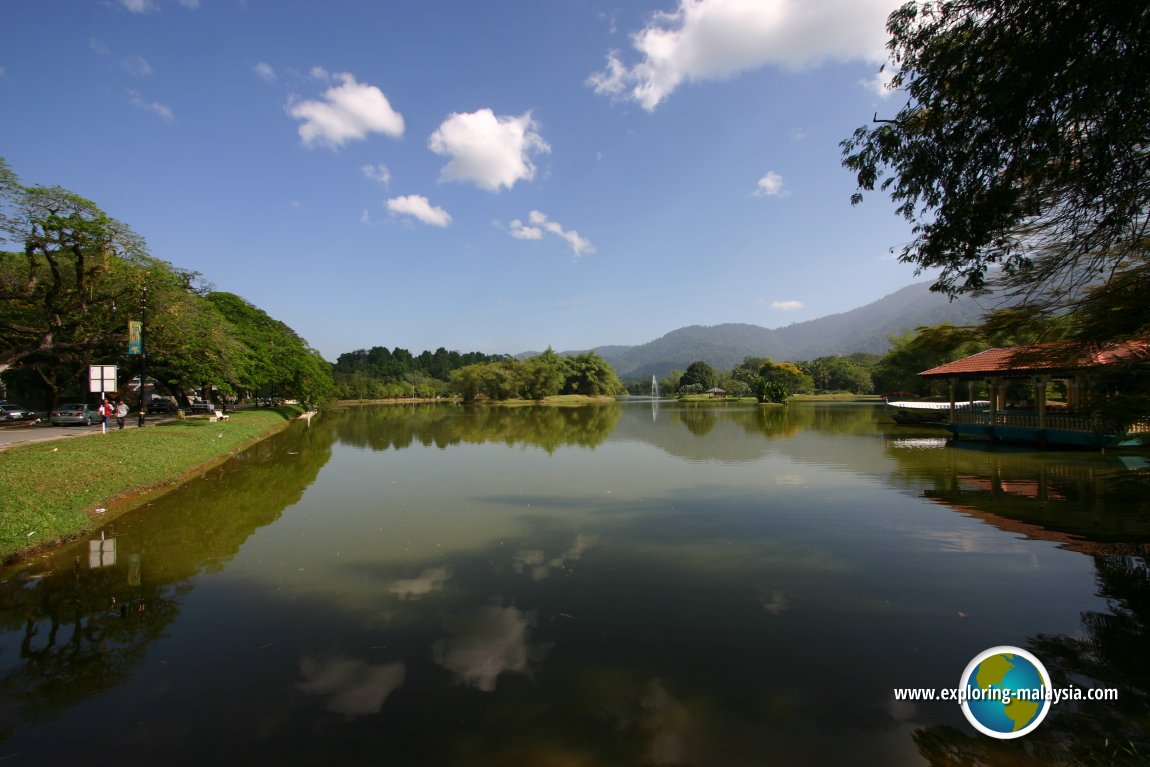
pixel 15 435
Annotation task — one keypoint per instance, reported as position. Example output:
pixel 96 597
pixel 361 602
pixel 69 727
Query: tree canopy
pixel 699 374
pixel 1020 154
pixel 77 276
pixel 543 375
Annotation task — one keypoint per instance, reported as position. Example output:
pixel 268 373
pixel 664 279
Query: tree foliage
pixel 1022 145
pixel 786 375
pixel 378 372
pixel 545 375
pixel 699 373
pixel 77 276
pixel 835 373
pixel 928 347
pixel 275 361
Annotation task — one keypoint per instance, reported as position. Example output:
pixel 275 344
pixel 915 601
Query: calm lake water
pixel 635 584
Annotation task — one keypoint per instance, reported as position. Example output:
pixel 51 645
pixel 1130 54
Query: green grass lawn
pixel 50 491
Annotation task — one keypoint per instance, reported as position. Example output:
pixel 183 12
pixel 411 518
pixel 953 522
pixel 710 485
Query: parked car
pixel 11 412
pixel 161 406
pixel 74 413
pixel 201 407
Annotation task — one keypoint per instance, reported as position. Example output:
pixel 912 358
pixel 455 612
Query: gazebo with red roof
pixel 1073 362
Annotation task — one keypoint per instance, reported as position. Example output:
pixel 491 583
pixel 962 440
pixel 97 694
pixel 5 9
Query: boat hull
pixel 1027 435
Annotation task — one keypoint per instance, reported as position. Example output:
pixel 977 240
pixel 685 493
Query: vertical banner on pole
pixel 135 337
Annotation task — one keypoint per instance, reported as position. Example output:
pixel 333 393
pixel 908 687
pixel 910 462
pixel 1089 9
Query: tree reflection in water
pixel 85 630
pixel 560 624
pixel 1087 503
pixel 1111 655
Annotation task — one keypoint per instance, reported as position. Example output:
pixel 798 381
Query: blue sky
pixel 491 176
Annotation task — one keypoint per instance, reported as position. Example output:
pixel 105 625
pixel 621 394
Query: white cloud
pixel 365 217
pixel 319 73
pixel 418 207
pixel 787 306
pixel 880 83
pixel 98 46
pixel 771 185
pixel 489 151
pixel 521 232
pixel 147 6
pixel 716 39
pixel 538 223
pixel 349 111
pixel 136 66
pixel 139 102
pixel 266 71
pixel 378 173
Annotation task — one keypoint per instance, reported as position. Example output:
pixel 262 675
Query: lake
pixel 647 583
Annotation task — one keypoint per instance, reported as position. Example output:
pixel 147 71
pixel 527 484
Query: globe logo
pixel 1007 692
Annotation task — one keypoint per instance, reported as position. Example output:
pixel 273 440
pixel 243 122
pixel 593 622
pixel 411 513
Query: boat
pixel 910 413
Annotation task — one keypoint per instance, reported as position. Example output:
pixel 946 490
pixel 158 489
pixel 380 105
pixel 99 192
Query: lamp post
pixel 143 356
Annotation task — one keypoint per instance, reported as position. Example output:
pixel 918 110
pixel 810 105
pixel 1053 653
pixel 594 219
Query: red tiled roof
pixel 1051 357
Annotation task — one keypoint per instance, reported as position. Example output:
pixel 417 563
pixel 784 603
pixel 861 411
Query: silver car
pixel 10 412
pixel 72 414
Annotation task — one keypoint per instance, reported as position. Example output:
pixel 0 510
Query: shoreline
pixel 57 490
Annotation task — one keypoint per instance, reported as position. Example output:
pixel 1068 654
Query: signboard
pixel 135 337
pixel 101 553
pixel 102 378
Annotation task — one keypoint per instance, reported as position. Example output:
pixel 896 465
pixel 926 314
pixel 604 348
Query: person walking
pixel 105 412
pixel 121 413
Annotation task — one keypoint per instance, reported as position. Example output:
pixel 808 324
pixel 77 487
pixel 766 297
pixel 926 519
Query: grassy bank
pixel 50 491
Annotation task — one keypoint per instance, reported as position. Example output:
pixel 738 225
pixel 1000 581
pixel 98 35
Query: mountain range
pixel 865 329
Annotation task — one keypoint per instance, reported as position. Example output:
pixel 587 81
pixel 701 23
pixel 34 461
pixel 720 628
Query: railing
pixel 1029 419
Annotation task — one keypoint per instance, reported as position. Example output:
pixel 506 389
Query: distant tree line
pixel 75 280
pixel 379 373
pixel 545 375
pixel 771 381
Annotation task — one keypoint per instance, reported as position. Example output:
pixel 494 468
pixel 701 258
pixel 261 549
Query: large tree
pixel 700 374
pixel 74 279
pixel 1021 151
pixel 76 270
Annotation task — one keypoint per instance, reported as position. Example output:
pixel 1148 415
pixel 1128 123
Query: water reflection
pixel 486 643
pixel 387 427
pixel 431 579
pixel 723 585
pixel 1110 654
pixel 84 625
pixel 350 687
pixel 1079 500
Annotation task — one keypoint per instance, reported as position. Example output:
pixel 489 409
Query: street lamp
pixel 143 357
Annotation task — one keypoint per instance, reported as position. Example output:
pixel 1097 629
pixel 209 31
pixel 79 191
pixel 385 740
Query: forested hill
pixel 860 330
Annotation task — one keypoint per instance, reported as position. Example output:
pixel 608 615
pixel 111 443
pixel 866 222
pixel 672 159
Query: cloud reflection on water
pixel 431 579
pixel 488 642
pixel 350 687
pixel 539 566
